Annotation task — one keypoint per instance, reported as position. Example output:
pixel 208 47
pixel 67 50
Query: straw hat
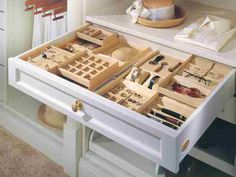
pixel 51 117
pixel 164 14
pixel 154 4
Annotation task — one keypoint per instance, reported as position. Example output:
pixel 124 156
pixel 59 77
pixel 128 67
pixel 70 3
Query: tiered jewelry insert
pixel 95 35
pixel 194 82
pixel 90 70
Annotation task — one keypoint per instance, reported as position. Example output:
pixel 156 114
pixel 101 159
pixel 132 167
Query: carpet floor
pixel 18 159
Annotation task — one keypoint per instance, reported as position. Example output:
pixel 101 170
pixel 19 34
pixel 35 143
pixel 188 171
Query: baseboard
pixel 30 133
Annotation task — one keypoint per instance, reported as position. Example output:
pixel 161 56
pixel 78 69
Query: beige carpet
pixel 17 159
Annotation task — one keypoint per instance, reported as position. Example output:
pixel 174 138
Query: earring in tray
pixel 124 95
pixel 44 55
pixel 138 95
pixel 70 48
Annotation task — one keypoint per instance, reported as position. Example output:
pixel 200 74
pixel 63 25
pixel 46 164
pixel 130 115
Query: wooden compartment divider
pixel 96 35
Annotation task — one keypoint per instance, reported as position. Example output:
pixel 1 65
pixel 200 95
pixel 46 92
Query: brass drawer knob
pixel 78 106
pixel 185 145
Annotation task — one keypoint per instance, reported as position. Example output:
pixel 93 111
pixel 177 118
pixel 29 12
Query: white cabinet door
pixel 2 47
pixel 2 89
pixel 2 20
pixel 2 5
pixel 149 138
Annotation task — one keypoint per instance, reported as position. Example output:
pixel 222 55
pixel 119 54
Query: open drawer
pixel 156 140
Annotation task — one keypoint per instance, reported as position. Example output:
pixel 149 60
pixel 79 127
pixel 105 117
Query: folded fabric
pixel 137 10
pixel 211 32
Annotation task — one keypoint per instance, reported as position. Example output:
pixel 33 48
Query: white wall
pixel 227 4
pixel 103 7
pixel 19 28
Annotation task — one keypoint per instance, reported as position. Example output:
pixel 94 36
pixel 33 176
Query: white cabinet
pixel 2 81
pixel 2 5
pixel 151 139
pixel 93 165
pixel 2 20
pixel 2 47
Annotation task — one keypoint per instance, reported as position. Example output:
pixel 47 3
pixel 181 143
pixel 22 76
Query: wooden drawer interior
pixel 171 105
pixel 163 88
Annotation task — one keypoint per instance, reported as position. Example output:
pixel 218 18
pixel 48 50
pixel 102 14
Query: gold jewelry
pixel 124 95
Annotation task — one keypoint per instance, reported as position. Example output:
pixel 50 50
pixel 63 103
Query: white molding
pixel 75 14
pixel 37 139
pixel 72 148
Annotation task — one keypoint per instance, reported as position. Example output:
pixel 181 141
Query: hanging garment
pixel 46 29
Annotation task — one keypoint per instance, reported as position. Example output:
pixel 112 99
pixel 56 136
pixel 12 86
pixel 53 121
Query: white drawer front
pixel 2 83
pixel 132 130
pixel 2 5
pixel 2 47
pixel 158 143
pixel 2 20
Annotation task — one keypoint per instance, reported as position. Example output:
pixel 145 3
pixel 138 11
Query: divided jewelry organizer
pixel 89 68
pixel 160 79
pixel 149 101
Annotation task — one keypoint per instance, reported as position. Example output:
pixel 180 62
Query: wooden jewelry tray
pixel 116 91
pixel 168 112
pixel 195 79
pixel 149 72
pixel 130 95
pixel 48 57
pixel 95 35
pixel 164 67
pixel 118 43
pixel 90 70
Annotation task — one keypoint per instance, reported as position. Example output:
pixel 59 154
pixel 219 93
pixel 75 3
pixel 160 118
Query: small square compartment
pixel 93 72
pixel 106 64
pixel 73 70
pixel 79 66
pixel 86 55
pixel 92 58
pixel 67 67
pixel 100 68
pixel 86 69
pixel 80 60
pixel 86 62
pixel 93 65
pixel 80 73
pixel 202 63
pixel 98 61
pixel 73 63
pixel 88 77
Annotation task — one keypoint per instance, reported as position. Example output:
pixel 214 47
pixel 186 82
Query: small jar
pixel 160 9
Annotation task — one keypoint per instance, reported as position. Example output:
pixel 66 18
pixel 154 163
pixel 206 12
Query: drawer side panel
pixel 206 114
